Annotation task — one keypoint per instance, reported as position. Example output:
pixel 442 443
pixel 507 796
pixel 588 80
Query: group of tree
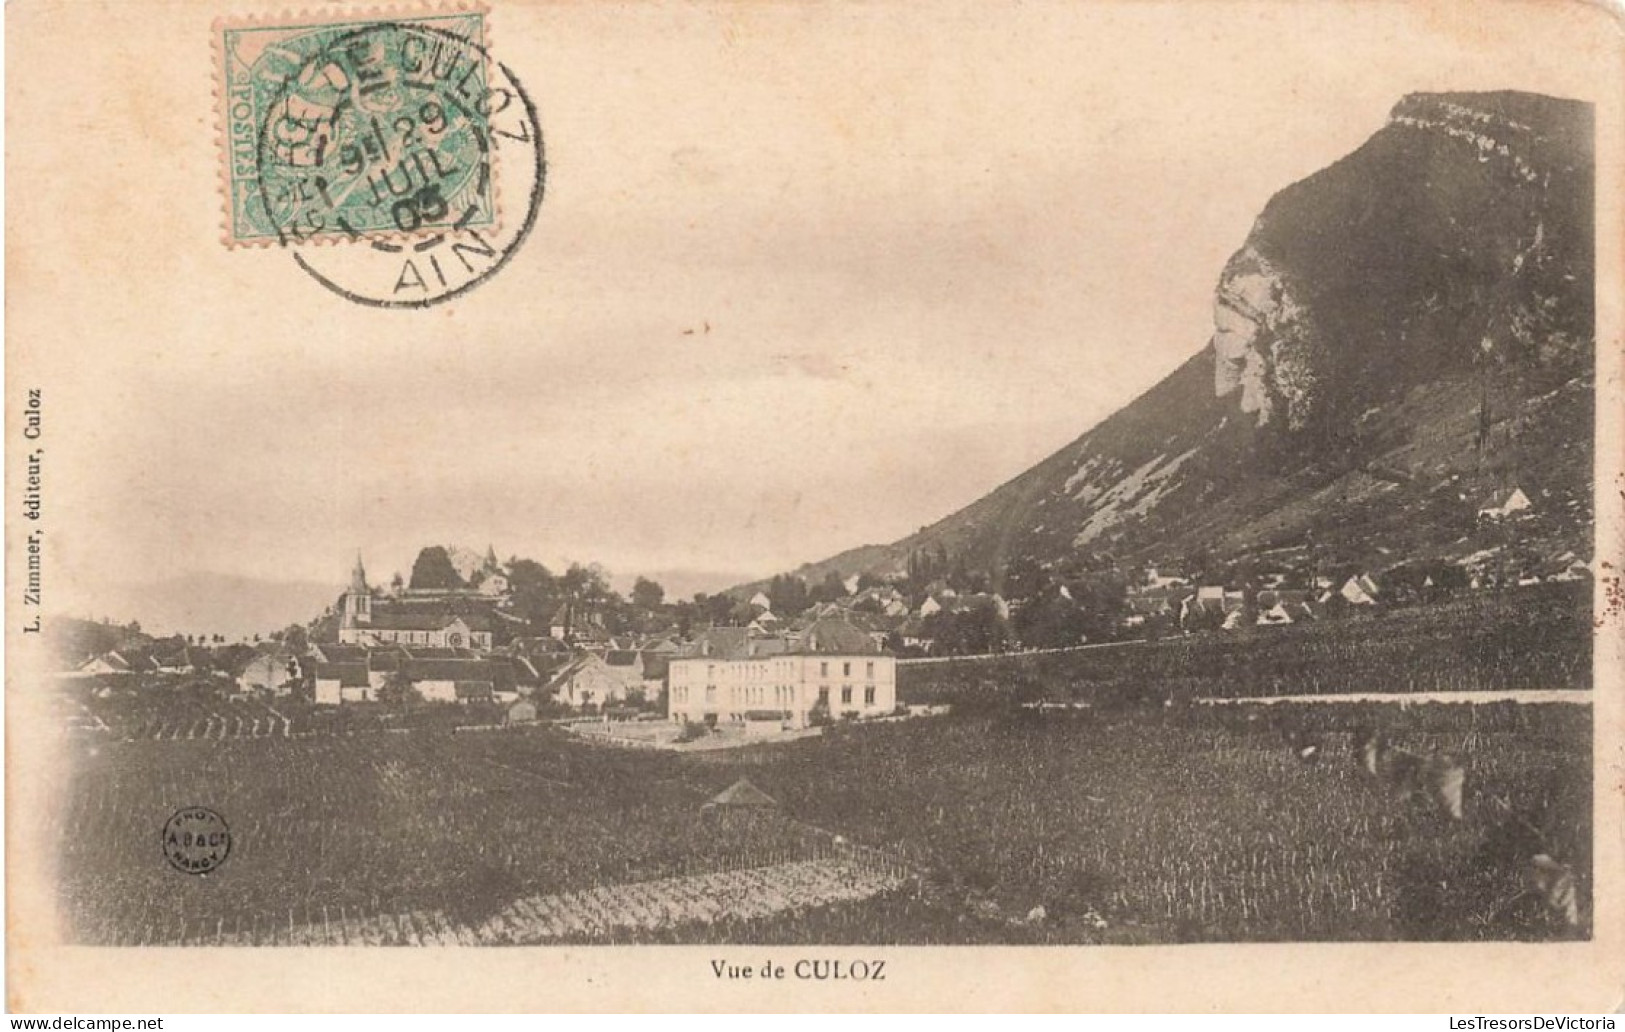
pixel 970 631
pixel 930 567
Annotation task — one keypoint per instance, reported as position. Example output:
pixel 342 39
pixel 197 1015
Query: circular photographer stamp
pixel 196 840
pixel 384 155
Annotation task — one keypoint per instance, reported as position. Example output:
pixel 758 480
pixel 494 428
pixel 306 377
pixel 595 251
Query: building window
pixel 710 693
pixel 846 694
pixel 823 669
pixel 846 669
pixel 871 670
pixel 823 695
pixel 869 695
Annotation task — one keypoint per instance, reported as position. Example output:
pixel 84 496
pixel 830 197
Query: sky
pixel 929 252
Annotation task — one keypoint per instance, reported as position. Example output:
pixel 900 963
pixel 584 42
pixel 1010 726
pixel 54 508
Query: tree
pixel 788 595
pixel 398 690
pixel 647 593
pixel 587 584
pixel 818 715
pixel 1024 579
pixel 1051 621
pixel 533 590
pixel 831 589
pixel 434 571
pixel 976 630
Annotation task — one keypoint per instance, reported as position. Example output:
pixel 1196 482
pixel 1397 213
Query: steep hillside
pixel 1400 336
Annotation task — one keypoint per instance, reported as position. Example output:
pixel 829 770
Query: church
pixel 366 621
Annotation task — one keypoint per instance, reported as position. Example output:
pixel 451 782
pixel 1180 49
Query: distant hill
pixel 1400 336
pixel 211 603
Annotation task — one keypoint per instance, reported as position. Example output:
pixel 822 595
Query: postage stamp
pixel 378 152
pixel 347 130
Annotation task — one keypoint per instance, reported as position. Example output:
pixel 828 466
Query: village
pixel 738 669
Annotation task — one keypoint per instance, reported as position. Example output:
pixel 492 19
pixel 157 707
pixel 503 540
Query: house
pixel 761 601
pixel 537 646
pixel 1165 601
pixel 1359 590
pixel 571 623
pixel 359 674
pixel 273 670
pixel 1157 578
pixel 913 636
pixel 522 712
pixel 719 641
pixel 656 665
pixel 627 666
pixel 494 585
pixel 587 681
pixel 181 659
pixel 1505 504
pixel 119 661
pixel 831 668
pixel 450 680
pixel 338 683
pixel 1275 616
pixel 1207 604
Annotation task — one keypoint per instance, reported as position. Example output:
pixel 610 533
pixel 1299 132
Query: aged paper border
pixel 45 976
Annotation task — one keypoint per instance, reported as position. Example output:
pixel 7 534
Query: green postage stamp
pixel 356 129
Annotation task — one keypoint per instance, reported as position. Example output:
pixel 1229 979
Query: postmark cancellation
pixel 356 128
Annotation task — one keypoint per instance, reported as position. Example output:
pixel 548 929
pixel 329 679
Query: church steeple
pixel 357 604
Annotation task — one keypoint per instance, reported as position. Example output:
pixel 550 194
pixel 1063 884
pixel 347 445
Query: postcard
pixel 803 505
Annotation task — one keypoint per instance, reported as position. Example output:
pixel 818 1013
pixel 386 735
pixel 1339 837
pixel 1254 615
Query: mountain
pixel 1402 335
pixel 209 603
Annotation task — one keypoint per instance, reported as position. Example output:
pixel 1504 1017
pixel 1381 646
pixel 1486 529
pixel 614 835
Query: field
pixel 1162 824
pixel 1533 639
pixel 168 708
pixel 1196 824
pixel 465 823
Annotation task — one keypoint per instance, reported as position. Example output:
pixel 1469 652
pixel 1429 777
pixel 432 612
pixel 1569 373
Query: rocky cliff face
pixel 1460 234
pixel 1400 334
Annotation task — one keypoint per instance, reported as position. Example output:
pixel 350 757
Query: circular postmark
pixel 196 840
pixel 386 156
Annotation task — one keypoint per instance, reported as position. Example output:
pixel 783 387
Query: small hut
pixel 522 712
pixel 740 800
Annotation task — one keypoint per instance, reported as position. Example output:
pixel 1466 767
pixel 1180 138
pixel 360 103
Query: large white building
pixel 831 667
